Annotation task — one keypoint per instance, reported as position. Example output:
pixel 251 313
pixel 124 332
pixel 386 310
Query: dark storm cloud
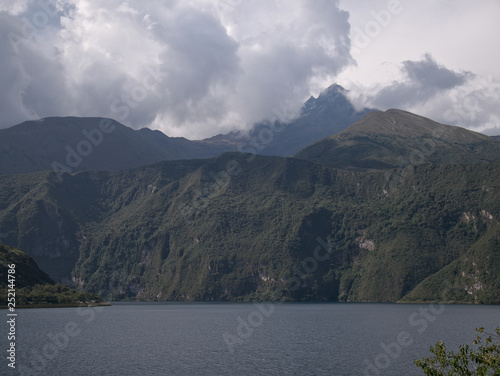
pixel 430 89
pixel 423 79
pixel 199 56
pixel 428 73
pixel 31 81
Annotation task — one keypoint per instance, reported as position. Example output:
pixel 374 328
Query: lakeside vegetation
pixel 33 287
pixel 481 360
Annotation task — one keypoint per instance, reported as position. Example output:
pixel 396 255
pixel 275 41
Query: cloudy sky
pixel 196 68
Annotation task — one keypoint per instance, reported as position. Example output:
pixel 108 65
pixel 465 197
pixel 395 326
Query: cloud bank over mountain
pixel 190 67
pixel 426 87
pixel 199 68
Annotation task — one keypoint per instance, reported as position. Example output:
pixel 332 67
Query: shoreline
pixel 63 305
pixel 109 304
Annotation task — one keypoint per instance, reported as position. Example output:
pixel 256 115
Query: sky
pixel 198 68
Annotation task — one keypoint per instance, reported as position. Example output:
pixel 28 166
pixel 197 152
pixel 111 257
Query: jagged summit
pixel 334 94
pixel 329 113
pixel 37 145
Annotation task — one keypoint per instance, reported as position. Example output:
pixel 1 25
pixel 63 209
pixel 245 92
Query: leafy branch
pixel 468 361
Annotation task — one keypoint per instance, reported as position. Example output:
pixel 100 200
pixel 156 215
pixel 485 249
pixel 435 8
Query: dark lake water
pixel 238 339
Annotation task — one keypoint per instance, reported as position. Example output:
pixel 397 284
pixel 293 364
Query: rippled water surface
pixel 239 339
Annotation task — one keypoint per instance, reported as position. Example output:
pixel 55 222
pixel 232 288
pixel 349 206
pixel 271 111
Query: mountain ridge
pixel 71 144
pixel 75 144
pixel 396 138
pixel 246 227
pixel 320 117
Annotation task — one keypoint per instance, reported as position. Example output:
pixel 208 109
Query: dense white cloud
pixel 197 68
pixel 430 89
pixel 32 81
pixel 459 34
pixel 189 68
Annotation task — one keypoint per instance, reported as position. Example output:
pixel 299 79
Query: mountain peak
pixel 334 88
pixel 395 138
pixel 329 113
pixel 333 95
pixel 394 122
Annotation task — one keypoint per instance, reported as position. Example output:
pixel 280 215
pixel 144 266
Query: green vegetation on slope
pixel 246 227
pixel 395 139
pixel 173 232
pixel 32 285
pixel 472 278
pixel 36 145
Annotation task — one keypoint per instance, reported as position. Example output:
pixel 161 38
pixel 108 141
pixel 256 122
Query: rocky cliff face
pixel 278 229
pixel 247 227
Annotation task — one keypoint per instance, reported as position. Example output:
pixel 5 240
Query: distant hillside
pixel 33 286
pixel 470 278
pixel 239 227
pixel 27 272
pixel 76 144
pixel 71 144
pixel 395 138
